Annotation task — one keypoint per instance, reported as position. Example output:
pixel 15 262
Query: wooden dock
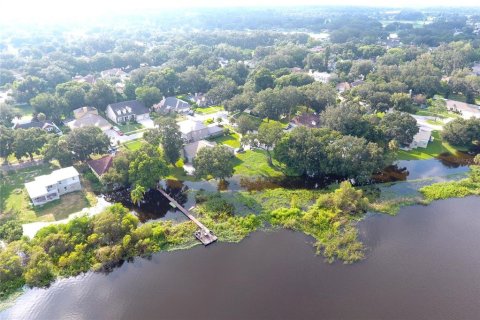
pixel 204 235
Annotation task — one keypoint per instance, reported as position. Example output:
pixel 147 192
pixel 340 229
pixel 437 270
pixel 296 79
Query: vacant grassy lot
pixel 254 163
pixel 209 110
pixel 14 200
pixel 435 148
pixel 134 144
pixel 232 140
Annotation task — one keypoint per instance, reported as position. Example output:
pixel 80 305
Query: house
pixel 356 83
pixel 132 110
pixel 190 150
pixel 192 130
pixel 88 79
pixel 114 73
pixel 88 117
pixel 323 77
pixel 50 187
pixel 100 166
pixel 421 139
pixel 343 86
pixel 46 126
pixel 200 100
pixel 476 69
pixel 310 120
pixel 169 104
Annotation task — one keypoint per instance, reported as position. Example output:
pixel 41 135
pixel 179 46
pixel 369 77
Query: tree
pixel 148 95
pixel 28 142
pixel 476 160
pixel 28 88
pixel 319 95
pixel 86 141
pixel 347 118
pixel 7 138
pixel 399 126
pixel 137 194
pixel 222 90
pixel 216 162
pixel 294 79
pixel 47 104
pixel 246 124
pixel 302 151
pixel 39 271
pixel 147 168
pixel 11 230
pixel 462 132
pixel 101 95
pixel 354 158
pixel 57 148
pixel 262 79
pixel 168 135
pixel 361 68
pixel 6 76
pixel 401 102
pixel 269 133
pixel 6 114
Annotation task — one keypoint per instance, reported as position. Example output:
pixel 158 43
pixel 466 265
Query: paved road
pixel 422 121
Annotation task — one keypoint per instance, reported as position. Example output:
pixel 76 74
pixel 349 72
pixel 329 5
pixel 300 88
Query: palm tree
pixel 137 194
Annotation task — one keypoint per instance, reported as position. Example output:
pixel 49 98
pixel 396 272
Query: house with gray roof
pixel 192 130
pixel 190 150
pixel 46 126
pixel 125 111
pixel 172 104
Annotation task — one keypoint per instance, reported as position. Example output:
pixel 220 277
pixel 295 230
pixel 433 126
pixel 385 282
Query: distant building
pixel 342 87
pixel 323 77
pixel 476 69
pixel 190 150
pixel 195 130
pixel 87 79
pixel 125 111
pixel 310 120
pixel 114 73
pixel 356 83
pixel 50 187
pixel 88 117
pixel 46 126
pixel 172 104
pixel 200 100
pixel 100 166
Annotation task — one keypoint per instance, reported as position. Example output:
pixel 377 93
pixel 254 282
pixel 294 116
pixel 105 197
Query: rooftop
pixel 101 166
pixel 129 107
pixel 38 187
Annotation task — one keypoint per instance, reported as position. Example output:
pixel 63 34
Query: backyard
pixel 254 163
pixel 209 110
pixel 133 145
pixel 434 149
pixel 232 140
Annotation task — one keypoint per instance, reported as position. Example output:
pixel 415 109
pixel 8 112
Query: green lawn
pixel 442 115
pixel 134 144
pixel 14 200
pixel 24 110
pixel 129 127
pixel 254 163
pixel 232 140
pixel 209 110
pixel 435 148
pixel 436 123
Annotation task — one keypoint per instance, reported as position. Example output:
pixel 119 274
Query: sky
pixel 50 10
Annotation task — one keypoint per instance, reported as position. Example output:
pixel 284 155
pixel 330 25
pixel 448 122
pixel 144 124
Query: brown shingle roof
pixel 100 166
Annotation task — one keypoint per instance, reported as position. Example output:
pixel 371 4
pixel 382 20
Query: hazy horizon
pixel 55 10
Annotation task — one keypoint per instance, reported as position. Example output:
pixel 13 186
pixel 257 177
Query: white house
pixel 192 130
pixel 125 111
pixel 50 187
pixel 421 139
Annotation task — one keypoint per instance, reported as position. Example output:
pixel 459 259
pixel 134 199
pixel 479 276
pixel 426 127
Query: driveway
pixel 422 122
pixel 147 123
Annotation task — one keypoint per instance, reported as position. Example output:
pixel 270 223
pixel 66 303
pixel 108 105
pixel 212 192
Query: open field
pixel 254 163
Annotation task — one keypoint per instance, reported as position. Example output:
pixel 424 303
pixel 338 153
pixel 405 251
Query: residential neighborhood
pixel 307 137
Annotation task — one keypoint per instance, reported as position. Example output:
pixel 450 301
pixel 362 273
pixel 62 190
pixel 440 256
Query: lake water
pixel 421 264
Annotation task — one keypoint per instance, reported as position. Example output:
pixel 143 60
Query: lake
pixel 421 264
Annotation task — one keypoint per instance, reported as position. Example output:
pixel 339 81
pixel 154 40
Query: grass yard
pixel 435 148
pixel 14 200
pixel 134 144
pixel 254 163
pixel 436 123
pixel 209 110
pixel 25 110
pixel 441 115
pixel 232 140
pixel 129 127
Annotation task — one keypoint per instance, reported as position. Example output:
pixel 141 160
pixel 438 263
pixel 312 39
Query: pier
pixel 204 235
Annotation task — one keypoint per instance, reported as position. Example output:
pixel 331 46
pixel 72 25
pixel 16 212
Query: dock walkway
pixel 204 235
